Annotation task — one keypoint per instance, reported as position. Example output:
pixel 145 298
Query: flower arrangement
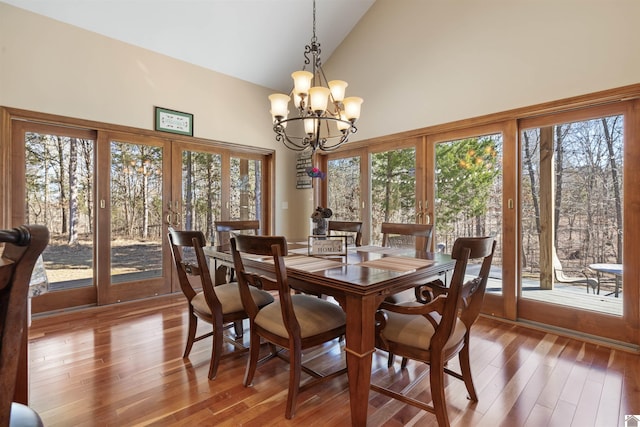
pixel 319 218
pixel 314 172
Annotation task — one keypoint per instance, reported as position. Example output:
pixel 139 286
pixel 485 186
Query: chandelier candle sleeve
pixel 322 117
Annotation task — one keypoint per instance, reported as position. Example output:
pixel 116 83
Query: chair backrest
pixel 406 235
pixel 224 228
pixel 22 247
pixel 196 270
pixel 275 246
pixel 472 290
pixel 464 297
pixel 349 228
pixel 558 270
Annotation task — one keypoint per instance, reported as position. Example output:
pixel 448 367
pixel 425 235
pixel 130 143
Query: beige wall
pixel 424 62
pixel 51 67
pixel 415 62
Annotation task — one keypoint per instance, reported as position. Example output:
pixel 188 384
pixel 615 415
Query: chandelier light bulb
pixel 309 126
pixel 352 108
pixel 343 123
pixel 338 88
pixel 318 98
pixel 279 105
pixel 301 82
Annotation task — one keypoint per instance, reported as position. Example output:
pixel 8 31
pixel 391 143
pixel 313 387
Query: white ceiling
pixel 260 41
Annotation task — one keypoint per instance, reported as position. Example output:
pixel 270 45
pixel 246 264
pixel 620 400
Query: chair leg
pixel 254 354
pixel 191 333
pixel 238 328
pixel 216 351
pixel 390 360
pixel 465 368
pixel 404 362
pixel 436 376
pixel 295 369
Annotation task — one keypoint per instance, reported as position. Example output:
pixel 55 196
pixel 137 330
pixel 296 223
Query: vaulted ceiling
pixel 260 41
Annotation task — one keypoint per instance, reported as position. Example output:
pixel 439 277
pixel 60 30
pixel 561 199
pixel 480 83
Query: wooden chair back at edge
pixel 348 227
pixel 23 246
pixel 224 228
pixel 421 232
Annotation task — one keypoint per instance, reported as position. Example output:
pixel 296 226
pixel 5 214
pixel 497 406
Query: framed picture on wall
pixel 173 121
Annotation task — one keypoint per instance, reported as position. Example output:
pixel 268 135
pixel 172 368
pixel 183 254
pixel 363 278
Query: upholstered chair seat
pixel 229 297
pixel 316 316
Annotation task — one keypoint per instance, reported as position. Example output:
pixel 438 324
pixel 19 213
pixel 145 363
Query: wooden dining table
pixel 359 281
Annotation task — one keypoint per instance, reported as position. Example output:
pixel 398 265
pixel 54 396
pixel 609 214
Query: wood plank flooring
pixel 122 365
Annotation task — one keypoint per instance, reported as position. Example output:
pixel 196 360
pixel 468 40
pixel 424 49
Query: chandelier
pixel 325 118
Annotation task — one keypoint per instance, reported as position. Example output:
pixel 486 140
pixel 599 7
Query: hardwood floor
pixel 121 365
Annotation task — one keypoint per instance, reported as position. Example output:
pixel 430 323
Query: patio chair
pixel 562 277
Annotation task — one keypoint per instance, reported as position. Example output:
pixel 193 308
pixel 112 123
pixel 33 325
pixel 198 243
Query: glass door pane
pixel 201 191
pixel 344 192
pixel 572 201
pixel 246 189
pixel 393 189
pixel 137 230
pixel 468 195
pixel 59 173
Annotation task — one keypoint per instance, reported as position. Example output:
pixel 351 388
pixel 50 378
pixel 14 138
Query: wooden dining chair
pixel 220 305
pixel 224 229
pixel 439 328
pixel 351 229
pixel 22 247
pixel 294 322
pixel 406 235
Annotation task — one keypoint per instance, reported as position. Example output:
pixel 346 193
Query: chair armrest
pixel 437 305
pixel 430 291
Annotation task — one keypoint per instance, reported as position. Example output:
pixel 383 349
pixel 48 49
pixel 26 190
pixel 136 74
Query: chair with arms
pixel 439 328
pixel 22 247
pixel 294 322
pixel 351 229
pixel 220 305
pixel 405 235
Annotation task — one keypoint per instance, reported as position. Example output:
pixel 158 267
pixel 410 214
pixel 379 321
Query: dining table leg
pixel 359 348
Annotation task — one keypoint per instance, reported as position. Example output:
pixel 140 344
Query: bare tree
pixel 73 192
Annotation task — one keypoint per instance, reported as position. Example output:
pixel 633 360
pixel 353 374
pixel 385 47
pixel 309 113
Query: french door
pixel 213 184
pixel 457 181
pixel 375 186
pixel 578 175
pixel 108 199
pixel 132 197
pixel 471 192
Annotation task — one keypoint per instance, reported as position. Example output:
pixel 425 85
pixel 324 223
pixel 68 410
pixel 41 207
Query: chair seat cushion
pixel 314 315
pixel 229 296
pixel 416 331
